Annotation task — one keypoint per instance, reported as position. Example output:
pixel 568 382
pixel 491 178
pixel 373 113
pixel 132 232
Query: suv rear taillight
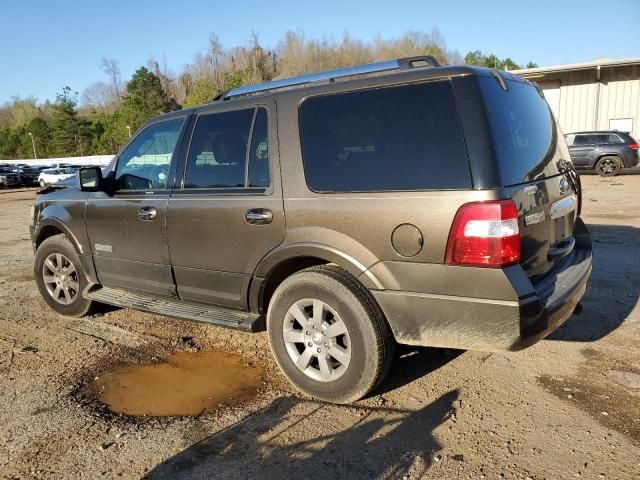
pixel 633 146
pixel 485 234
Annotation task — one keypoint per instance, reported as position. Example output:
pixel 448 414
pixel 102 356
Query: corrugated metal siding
pixel 620 97
pixel 586 104
pixel 578 93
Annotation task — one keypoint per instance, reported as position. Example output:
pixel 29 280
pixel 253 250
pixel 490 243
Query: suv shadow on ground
pixel 412 363
pixel 613 290
pixel 257 447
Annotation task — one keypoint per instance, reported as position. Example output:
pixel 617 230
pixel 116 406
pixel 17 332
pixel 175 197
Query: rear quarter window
pixel 394 138
pixel 612 138
pixel 524 130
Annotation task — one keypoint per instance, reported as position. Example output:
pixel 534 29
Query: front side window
pixel 394 138
pixel 144 164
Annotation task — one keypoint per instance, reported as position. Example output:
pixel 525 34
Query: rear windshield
pixel 394 138
pixel 523 129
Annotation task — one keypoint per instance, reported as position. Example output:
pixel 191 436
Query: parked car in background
pixel 28 174
pixel 606 152
pixel 31 174
pixel 52 176
pixel 8 178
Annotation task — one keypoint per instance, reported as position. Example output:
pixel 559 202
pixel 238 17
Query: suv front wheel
pixel 328 335
pixel 60 278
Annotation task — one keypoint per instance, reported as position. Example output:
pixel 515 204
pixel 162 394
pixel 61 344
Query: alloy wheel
pixel 317 340
pixel 60 278
pixel 608 166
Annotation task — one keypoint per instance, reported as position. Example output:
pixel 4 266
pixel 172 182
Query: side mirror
pixel 89 179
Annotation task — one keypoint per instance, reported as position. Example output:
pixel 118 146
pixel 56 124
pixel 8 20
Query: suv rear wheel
pixel 60 278
pixel 608 166
pixel 328 335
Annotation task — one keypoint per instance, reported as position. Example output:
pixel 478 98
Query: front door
pixel 228 213
pixel 126 228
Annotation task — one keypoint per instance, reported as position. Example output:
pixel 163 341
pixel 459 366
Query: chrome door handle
pixel 147 213
pixel 258 216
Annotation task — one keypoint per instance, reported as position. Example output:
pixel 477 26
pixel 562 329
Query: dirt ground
pixel 567 407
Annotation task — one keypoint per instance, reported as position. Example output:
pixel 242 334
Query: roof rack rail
pixel 398 64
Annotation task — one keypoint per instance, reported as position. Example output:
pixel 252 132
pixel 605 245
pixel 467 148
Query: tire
pixel 348 307
pixel 608 166
pixel 60 278
pixel 42 183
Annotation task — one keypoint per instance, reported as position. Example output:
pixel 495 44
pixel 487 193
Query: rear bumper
pixel 486 324
pixel 632 160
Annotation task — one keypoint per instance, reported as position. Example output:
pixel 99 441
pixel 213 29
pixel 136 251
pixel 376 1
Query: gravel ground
pixel 567 407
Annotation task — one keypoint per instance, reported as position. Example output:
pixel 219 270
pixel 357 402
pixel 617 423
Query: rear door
pixel 227 214
pixel 534 167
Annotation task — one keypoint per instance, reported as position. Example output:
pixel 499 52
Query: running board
pixel 225 317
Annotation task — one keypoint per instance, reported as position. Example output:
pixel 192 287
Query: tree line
pixel 102 118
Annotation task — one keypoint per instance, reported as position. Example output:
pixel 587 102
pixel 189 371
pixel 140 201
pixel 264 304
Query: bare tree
pixel 112 69
pixel 298 54
pixel 101 97
pixel 215 55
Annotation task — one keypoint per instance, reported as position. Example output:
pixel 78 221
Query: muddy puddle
pixel 185 383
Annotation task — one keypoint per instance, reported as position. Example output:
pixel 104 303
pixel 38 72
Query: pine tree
pixel 145 98
pixel 64 124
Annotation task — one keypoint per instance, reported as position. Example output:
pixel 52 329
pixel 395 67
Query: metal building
pixel 599 95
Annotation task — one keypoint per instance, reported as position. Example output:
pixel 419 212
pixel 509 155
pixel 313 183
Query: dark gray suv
pixel 605 152
pixel 342 212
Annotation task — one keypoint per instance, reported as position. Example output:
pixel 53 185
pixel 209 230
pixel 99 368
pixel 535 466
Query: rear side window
pixel 392 138
pixel 258 170
pixel 523 129
pixel 218 150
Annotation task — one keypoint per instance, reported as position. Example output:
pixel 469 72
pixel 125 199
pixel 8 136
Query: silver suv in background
pixel 605 152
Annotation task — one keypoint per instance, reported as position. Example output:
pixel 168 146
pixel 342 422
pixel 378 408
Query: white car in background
pixel 51 176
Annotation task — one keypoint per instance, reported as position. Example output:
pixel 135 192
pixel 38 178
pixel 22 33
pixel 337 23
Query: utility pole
pixel 34 146
pixel 129 130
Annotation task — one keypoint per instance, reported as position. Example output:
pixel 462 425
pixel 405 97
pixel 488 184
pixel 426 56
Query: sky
pixel 45 45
